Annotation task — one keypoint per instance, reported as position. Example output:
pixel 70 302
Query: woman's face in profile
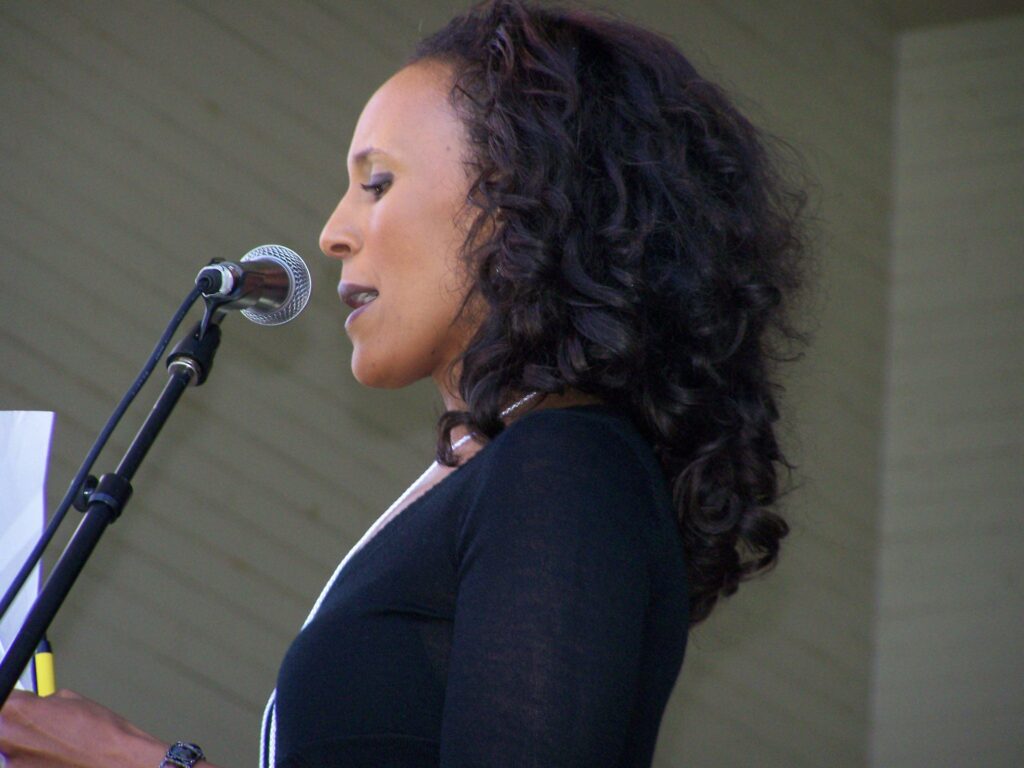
pixel 395 231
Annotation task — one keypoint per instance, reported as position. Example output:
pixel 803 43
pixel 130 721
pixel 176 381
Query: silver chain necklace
pixel 506 412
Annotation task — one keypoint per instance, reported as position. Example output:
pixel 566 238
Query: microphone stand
pixel 188 365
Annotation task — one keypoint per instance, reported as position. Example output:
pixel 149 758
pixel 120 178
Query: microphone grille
pixel 299 290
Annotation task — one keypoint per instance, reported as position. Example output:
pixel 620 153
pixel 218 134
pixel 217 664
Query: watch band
pixel 182 755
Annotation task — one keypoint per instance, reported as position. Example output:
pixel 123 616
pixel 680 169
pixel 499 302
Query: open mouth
pixel 361 299
pixel 356 296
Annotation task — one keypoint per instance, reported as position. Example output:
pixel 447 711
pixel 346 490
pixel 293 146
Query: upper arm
pixel 553 590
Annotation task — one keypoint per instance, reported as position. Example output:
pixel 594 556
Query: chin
pixel 378 376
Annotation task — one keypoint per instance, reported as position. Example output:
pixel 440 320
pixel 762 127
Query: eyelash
pixel 378 188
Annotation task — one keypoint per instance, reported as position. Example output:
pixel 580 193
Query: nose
pixel 339 237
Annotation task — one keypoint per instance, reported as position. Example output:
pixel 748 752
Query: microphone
pixel 270 285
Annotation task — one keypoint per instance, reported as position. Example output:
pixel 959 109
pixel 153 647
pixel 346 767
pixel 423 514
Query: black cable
pixel 94 452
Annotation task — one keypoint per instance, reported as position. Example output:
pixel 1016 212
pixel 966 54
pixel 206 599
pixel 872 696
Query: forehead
pixel 409 115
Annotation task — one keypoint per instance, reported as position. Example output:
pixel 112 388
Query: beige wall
pixel 949 665
pixel 142 139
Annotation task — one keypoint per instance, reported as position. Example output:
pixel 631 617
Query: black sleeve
pixel 554 584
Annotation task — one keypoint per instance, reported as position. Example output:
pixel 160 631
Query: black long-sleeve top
pixel 530 609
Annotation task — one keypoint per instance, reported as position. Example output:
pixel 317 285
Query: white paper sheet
pixel 24 451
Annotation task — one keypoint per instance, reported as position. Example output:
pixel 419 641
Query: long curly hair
pixel 637 240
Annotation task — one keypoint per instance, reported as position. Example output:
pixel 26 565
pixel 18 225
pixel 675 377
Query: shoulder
pixel 570 435
pixel 569 469
pixel 595 443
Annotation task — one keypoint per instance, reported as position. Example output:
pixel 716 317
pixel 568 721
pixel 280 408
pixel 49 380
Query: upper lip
pixel 349 291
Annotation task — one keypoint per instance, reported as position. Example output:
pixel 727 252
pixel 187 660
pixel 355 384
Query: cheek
pixel 410 335
pixel 418 265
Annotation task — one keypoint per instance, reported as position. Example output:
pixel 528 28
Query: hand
pixel 70 731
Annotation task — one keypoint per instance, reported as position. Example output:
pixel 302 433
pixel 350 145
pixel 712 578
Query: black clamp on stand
pixel 188 365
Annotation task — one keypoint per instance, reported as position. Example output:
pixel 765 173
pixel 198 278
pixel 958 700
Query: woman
pixel 586 247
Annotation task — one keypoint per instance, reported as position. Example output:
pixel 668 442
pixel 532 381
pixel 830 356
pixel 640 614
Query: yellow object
pixel 46 680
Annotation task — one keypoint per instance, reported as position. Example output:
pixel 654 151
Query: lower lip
pixel 354 315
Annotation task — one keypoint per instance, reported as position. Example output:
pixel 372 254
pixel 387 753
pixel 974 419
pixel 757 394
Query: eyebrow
pixel 363 154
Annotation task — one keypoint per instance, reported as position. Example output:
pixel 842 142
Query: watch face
pixel 186 754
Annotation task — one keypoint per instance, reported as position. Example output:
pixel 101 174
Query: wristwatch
pixel 182 755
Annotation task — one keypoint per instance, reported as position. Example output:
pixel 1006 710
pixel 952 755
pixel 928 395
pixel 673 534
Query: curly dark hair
pixel 635 240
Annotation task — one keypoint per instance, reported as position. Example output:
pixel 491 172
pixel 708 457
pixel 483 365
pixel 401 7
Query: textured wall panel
pixel 949 632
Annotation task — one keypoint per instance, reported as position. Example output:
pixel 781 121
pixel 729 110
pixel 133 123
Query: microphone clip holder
pixel 193 355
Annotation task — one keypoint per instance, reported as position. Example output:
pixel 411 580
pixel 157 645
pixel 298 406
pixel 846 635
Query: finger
pixel 18 695
pixel 15 703
pixel 67 693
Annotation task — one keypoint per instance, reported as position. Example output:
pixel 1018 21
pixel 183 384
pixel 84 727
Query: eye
pixel 377 186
